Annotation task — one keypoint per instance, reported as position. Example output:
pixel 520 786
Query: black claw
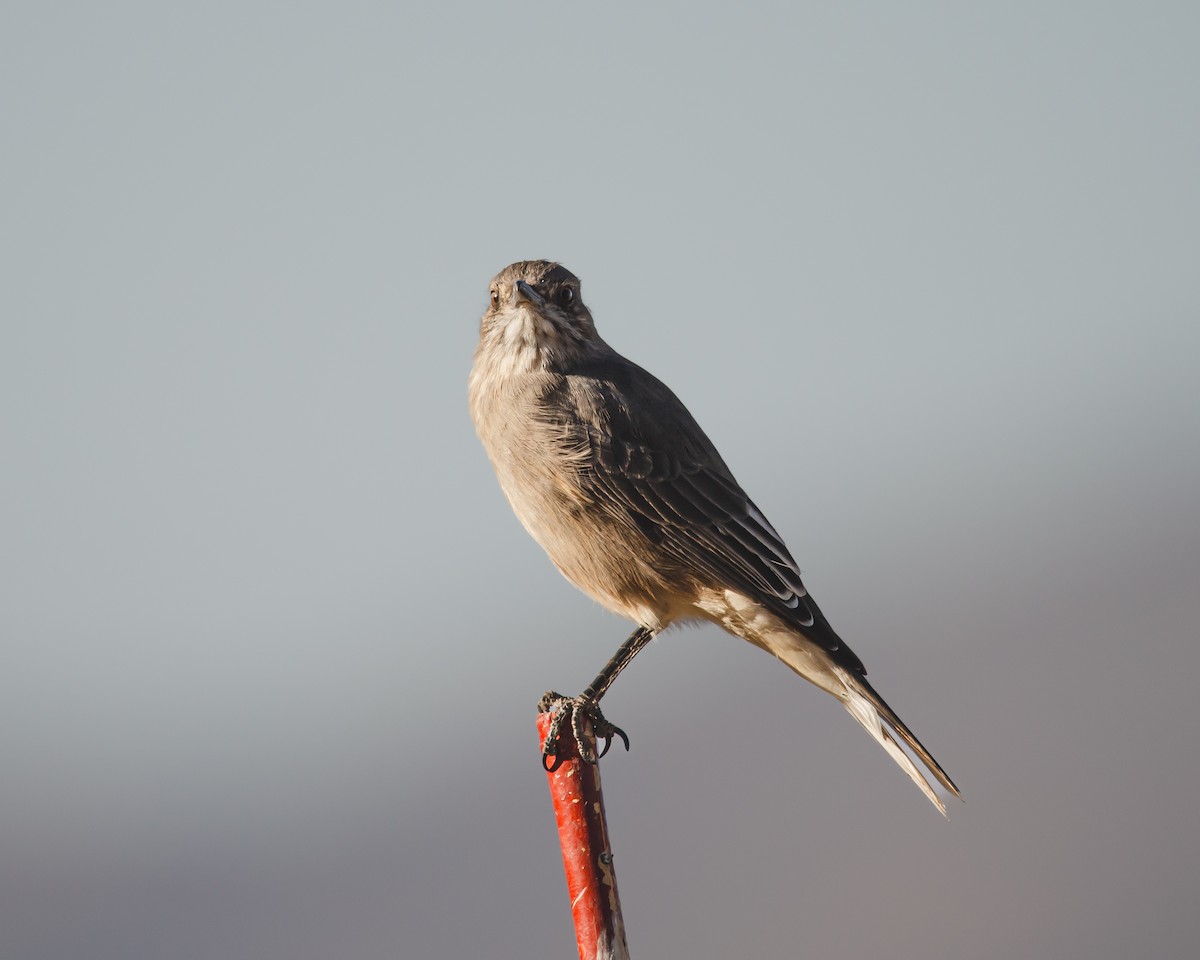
pixel 552 747
pixel 582 711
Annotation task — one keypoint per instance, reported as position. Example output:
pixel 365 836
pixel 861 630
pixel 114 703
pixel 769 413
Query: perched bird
pixel 613 477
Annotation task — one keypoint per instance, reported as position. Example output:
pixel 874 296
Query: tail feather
pixel 864 705
pixel 897 725
pixel 881 722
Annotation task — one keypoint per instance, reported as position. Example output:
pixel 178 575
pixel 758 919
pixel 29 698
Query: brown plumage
pixel 610 473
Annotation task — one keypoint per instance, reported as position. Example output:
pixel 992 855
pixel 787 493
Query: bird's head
pixel 535 318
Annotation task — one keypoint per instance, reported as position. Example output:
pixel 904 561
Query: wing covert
pixel 703 519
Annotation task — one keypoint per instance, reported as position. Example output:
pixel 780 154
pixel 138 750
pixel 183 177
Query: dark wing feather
pixel 649 459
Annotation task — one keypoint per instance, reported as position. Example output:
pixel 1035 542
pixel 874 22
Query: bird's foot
pixel 583 712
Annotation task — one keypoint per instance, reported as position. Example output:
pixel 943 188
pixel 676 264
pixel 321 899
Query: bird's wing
pixel 649 458
pixel 700 516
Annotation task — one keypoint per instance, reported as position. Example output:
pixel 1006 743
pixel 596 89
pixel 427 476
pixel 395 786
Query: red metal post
pixel 587 856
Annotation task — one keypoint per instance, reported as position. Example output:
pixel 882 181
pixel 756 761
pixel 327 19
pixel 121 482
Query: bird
pixel 611 474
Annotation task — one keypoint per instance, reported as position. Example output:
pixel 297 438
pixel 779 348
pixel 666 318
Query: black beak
pixel 524 293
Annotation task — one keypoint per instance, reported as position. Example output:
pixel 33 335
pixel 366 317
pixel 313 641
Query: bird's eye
pixel 566 297
pixel 495 298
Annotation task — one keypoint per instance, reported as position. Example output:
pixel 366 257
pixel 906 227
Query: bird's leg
pixel 586 708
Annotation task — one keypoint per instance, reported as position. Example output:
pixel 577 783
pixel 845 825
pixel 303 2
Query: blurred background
pixel 271 639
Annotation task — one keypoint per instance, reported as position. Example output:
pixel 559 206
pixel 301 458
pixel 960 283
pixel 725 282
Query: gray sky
pixel 271 638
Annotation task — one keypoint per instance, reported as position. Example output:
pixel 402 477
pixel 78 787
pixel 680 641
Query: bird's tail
pixel 880 721
pixel 869 709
